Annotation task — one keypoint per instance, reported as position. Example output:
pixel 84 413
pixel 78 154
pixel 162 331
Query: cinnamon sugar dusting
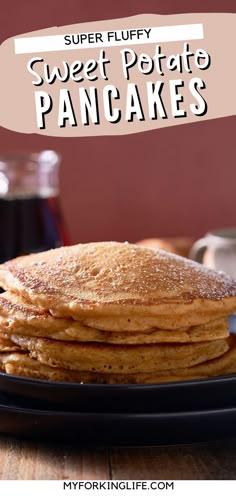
pixel 114 312
pixel 110 273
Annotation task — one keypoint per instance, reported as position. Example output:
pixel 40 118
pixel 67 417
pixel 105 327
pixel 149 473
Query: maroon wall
pixel 168 182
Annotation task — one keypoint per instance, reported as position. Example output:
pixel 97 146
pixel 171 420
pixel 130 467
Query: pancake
pixel 223 365
pixel 19 317
pixel 205 332
pixel 7 345
pixel 173 322
pixel 23 365
pixel 114 313
pixel 94 357
pixel 114 286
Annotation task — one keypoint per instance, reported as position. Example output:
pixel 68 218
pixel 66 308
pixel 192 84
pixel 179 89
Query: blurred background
pixel 174 182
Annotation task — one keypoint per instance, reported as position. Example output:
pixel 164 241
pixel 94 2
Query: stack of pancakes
pixel 114 313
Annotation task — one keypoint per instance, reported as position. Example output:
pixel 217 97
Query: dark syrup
pixel 29 225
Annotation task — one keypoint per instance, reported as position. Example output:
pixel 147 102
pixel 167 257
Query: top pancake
pixel 99 281
pixel 19 317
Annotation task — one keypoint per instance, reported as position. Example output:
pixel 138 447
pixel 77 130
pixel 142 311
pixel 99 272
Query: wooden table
pixel 34 460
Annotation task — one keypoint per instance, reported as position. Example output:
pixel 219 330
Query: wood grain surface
pixel 24 460
pixel 196 461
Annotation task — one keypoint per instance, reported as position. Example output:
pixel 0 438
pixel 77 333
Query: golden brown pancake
pixel 112 284
pixel 223 365
pixel 7 345
pixel 19 317
pixel 142 324
pixel 114 312
pixel 210 332
pixel 23 365
pixel 94 357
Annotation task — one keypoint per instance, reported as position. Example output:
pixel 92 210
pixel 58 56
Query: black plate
pixel 173 397
pixel 117 428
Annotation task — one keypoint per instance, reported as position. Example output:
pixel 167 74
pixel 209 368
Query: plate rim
pixel 116 415
pixel 144 386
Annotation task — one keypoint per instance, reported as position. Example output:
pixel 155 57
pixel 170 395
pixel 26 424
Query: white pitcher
pixel 217 250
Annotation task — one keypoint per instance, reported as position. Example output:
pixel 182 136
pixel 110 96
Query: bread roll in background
pixel 180 245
